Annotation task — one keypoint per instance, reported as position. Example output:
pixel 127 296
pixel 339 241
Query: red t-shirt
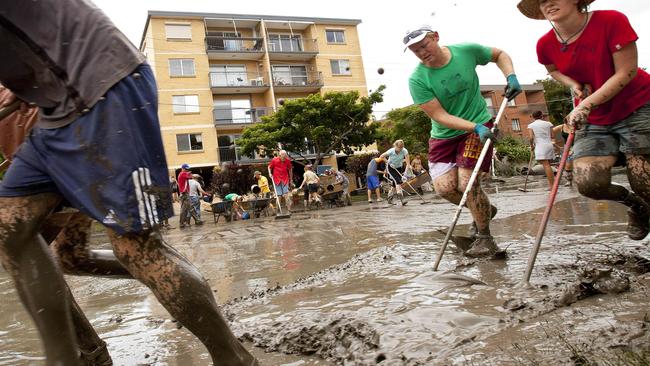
pixel 589 60
pixel 280 170
pixel 183 177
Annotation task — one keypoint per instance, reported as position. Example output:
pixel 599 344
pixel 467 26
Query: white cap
pixel 415 36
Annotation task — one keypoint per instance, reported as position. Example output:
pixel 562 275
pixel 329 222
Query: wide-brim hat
pixel 530 8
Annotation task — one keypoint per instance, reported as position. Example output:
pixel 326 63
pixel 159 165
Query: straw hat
pixel 530 8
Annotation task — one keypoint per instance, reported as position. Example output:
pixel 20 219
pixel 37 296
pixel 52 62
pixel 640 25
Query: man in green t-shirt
pixel 445 85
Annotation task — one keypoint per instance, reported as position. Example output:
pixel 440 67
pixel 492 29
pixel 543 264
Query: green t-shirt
pixel 231 197
pixel 455 86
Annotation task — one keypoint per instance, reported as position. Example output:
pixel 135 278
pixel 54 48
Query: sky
pixel 495 23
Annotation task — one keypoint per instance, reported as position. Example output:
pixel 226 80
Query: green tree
pixel 410 124
pixel 334 122
pixel 558 99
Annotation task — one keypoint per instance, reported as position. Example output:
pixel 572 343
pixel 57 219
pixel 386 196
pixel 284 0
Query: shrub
pixel 513 149
pixel 239 179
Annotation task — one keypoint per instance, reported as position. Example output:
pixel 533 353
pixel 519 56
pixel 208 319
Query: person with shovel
pixel 281 173
pixel 396 156
pixel 599 49
pixel 446 87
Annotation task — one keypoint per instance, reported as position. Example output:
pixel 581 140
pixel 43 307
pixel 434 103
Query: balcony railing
pixel 232 153
pixel 234 44
pixel 230 116
pixel 293 45
pixel 221 79
pixel 307 79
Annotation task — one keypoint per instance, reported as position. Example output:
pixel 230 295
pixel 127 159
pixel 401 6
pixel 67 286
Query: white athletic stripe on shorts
pixel 152 198
pixel 438 169
pixel 144 197
pixel 146 202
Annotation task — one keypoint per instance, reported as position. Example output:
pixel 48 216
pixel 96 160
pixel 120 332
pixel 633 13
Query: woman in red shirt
pixel 596 52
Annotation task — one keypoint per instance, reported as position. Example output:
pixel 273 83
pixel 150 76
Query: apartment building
pixel 218 73
pixel 517 115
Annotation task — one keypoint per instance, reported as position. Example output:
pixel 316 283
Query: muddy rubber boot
pixel 483 246
pixel 389 200
pixel 97 357
pixel 568 175
pixel 473 230
pixel 401 199
pixel 638 224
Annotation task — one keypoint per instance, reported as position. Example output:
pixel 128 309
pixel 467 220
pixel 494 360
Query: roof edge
pixel 164 13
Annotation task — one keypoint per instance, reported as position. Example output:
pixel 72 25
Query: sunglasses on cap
pixel 415 34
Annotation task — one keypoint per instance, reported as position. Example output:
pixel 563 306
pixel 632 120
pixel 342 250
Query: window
pixel 511 103
pixel 232 111
pixel 490 106
pixel 225 41
pixel 185 104
pixel 290 75
pixel 285 43
pixel 181 67
pixel 340 67
pixel 335 36
pixel 228 75
pixel 189 142
pixel 515 125
pixel 178 32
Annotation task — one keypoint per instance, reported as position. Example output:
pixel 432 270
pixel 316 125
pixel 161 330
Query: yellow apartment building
pixel 218 73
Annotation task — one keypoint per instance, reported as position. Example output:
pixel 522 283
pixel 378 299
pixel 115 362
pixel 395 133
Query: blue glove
pixel 513 88
pixel 484 133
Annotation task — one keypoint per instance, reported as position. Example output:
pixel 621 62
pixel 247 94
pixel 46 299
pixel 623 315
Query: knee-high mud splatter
pixel 340 287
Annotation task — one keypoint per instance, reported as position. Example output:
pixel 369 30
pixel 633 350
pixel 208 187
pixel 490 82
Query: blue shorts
pixel 373 182
pixel 109 163
pixel 281 189
pixel 629 136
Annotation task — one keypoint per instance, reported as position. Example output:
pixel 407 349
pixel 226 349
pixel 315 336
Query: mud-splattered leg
pixel 477 201
pixel 446 186
pixel 594 180
pixel 182 290
pixel 638 173
pixel 38 279
pixel 72 250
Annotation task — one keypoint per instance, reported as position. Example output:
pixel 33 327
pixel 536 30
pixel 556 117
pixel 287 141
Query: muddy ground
pixel 354 286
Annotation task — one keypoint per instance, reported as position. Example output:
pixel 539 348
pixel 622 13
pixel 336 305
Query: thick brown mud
pixel 354 286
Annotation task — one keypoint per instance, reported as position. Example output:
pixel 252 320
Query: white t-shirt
pixel 194 187
pixel 542 130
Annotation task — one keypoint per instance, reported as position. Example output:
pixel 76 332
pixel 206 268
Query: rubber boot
pixel 473 229
pixel 483 246
pixel 568 175
pixel 391 195
pixel 638 224
pixel 98 357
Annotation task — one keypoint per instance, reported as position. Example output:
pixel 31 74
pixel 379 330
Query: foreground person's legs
pixel 182 290
pixel 38 279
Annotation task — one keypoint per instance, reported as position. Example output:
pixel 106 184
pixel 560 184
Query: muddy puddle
pixel 354 286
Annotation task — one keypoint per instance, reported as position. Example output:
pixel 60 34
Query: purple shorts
pixel 462 150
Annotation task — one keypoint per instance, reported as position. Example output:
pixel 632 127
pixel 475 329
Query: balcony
pixel 234 48
pixel 237 82
pixel 232 153
pixel 236 118
pixel 292 49
pixel 297 82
